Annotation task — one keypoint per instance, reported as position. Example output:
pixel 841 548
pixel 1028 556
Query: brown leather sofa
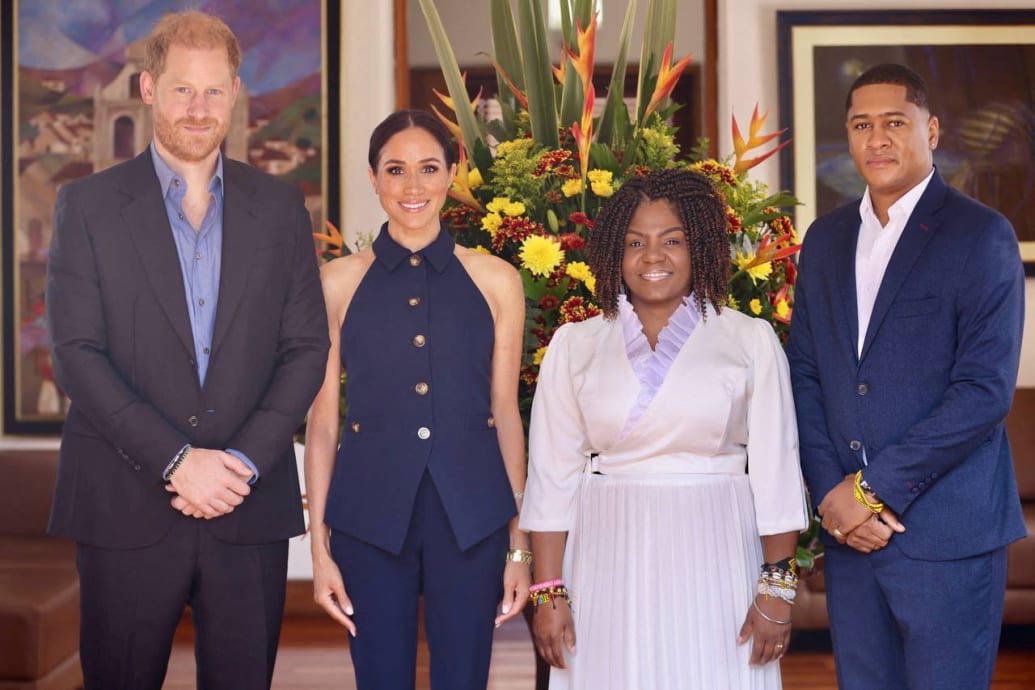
pixel 810 611
pixel 39 586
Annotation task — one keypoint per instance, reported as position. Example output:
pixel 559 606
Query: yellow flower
pixel 591 284
pixel 482 250
pixel 491 223
pixel 756 306
pixel 600 182
pixel 579 271
pixel 506 147
pixel 540 255
pixel 474 178
pixel 498 204
pixel 572 187
pixel 749 264
pixel 783 310
pixel 537 358
pixel 732 303
pixel 514 209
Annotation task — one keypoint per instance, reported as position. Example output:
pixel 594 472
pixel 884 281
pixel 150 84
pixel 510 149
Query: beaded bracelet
pixel 546 584
pixel 549 595
pixel 177 461
pixel 860 495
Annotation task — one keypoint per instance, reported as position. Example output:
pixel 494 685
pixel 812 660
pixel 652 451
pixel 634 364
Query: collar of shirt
pixel 391 253
pixel 900 210
pixel 167 176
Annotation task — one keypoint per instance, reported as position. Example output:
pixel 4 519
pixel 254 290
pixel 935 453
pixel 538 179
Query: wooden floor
pixel 313 656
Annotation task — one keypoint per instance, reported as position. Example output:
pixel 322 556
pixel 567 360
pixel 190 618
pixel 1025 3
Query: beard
pixel 186 146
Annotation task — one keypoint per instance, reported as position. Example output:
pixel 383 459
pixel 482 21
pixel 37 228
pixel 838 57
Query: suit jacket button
pixel 355 427
pixel 415 260
pixel 863 389
pixel 192 420
pixel 419 340
pixel 490 422
pixel 421 388
pixel 855 445
pixel 136 467
pixel 413 301
pixel 424 433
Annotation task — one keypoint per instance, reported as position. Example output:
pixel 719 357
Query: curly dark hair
pixel 701 210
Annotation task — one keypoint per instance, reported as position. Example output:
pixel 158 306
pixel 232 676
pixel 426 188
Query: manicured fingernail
pixel 506 608
pixel 349 610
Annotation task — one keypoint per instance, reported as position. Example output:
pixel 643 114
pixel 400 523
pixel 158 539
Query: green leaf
pixel 505 48
pixel 572 98
pixel 601 157
pixel 584 10
pixel 454 82
pixel 606 127
pixel 542 108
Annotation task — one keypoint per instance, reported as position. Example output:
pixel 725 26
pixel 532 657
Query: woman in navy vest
pixel 421 496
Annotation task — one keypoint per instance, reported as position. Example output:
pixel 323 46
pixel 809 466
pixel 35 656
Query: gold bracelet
pixel 771 620
pixel 519 556
pixel 860 495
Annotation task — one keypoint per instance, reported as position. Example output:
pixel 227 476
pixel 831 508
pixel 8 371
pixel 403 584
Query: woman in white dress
pixel 664 494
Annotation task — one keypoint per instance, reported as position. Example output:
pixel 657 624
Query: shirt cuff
pixel 244 458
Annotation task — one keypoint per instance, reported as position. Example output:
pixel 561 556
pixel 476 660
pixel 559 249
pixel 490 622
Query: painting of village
pixel 78 110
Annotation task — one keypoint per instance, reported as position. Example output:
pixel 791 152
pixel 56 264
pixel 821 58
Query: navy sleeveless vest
pixel 416 348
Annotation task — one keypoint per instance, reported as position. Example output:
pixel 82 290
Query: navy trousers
pixel 898 623
pixel 133 599
pixel 461 591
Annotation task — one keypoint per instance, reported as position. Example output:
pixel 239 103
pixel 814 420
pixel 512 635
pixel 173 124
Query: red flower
pixel 573 240
pixel 580 218
pixel 549 303
pixel 577 309
pixel 514 229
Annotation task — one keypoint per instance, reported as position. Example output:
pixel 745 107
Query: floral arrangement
pixel 528 186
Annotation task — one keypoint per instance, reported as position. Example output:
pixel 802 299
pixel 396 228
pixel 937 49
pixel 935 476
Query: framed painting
pixel 69 93
pixel 980 70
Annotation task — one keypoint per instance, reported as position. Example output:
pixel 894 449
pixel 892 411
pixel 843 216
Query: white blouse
pixel 724 407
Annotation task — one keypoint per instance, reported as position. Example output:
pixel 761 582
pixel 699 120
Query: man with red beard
pixel 190 334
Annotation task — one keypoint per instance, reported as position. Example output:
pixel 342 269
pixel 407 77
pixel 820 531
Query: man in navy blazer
pixel 189 331
pixel 904 348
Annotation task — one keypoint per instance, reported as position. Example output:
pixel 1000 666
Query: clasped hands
pixel 850 522
pixel 209 483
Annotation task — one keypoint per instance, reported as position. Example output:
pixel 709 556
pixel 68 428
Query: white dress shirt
pixel 875 246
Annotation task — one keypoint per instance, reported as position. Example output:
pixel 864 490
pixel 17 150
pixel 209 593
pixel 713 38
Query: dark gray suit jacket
pixel 124 354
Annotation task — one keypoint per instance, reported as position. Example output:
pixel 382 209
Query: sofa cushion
pixel 1020 557
pixel 39 620
pixel 26 509
pixel 21 552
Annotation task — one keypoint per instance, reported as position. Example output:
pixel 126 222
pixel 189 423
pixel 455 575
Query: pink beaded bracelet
pixel 546 584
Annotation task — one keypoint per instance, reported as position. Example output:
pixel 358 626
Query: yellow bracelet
pixel 860 495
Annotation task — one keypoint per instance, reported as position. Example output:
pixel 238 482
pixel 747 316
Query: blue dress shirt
pixel 201 253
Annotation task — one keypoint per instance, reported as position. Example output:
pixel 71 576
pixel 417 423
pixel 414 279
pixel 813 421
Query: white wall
pixel 367 97
pixel 467 24
pixel 748 76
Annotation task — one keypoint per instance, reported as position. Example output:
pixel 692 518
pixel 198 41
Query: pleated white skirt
pixel 661 570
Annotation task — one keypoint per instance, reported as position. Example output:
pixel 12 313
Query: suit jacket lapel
pixel 148 224
pixel 919 229
pixel 240 232
pixel 845 270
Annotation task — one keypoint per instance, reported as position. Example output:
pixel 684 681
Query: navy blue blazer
pixel 927 399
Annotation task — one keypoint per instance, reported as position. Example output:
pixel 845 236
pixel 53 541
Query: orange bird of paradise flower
pixel 741 147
